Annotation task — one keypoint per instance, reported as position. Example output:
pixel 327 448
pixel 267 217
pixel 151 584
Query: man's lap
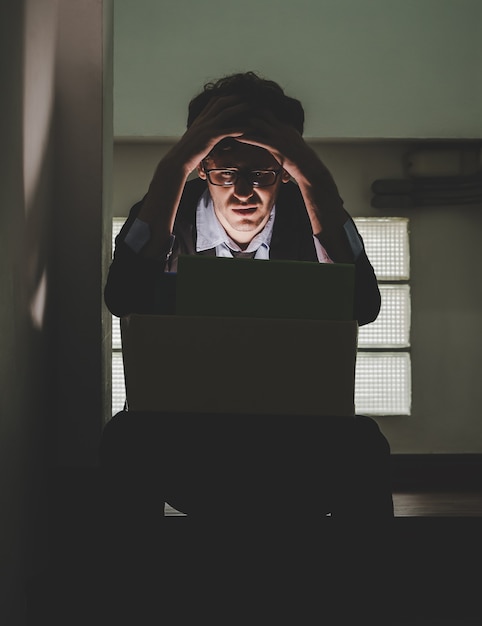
pixel 189 436
pixel 229 459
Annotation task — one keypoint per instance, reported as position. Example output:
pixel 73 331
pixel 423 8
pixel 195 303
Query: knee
pixel 117 422
pixel 116 427
pixel 116 434
pixel 368 431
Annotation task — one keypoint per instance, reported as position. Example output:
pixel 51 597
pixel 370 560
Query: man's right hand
pixel 221 118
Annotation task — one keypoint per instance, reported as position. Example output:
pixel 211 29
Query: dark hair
pixel 262 93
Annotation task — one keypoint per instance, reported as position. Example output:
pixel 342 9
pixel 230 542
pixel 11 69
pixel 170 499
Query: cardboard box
pixel 227 365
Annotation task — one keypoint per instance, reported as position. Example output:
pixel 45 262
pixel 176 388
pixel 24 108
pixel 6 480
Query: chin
pixel 247 228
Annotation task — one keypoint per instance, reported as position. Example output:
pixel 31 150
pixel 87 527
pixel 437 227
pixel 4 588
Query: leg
pixel 334 465
pixel 131 462
pixel 364 468
pixel 191 461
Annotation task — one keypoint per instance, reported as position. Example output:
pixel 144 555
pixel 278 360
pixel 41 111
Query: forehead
pixel 242 155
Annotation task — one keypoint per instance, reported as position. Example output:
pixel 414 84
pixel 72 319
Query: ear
pixel 285 177
pixel 200 171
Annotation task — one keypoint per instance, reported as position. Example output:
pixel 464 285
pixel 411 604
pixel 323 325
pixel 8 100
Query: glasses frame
pixel 240 173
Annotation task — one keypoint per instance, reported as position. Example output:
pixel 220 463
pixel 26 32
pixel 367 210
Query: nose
pixel 243 188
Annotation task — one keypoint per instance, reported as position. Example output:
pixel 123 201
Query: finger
pixel 254 137
pixel 261 142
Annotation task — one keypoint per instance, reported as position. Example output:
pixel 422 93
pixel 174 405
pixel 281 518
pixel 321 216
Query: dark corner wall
pixel 56 129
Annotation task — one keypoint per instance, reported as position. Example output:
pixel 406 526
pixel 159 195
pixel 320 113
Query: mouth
pixel 244 210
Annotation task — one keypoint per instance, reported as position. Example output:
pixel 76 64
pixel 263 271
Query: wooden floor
pixel 438 504
pixel 423 504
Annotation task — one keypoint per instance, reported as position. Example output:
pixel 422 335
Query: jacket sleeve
pixel 367 299
pixel 292 224
pixel 367 293
pixel 134 283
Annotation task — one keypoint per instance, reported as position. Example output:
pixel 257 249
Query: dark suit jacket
pixel 134 283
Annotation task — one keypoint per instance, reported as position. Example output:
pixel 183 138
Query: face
pixel 243 210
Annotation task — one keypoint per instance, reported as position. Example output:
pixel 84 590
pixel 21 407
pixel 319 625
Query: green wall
pixel 363 68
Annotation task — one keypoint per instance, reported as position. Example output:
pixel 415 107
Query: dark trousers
pixel 232 466
pixel 265 487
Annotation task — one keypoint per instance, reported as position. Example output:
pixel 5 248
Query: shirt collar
pixel 211 234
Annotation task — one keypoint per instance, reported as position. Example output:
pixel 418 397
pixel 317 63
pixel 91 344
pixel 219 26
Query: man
pixel 261 193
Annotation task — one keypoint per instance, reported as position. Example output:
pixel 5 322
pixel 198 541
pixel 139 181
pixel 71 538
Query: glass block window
pixel 383 383
pixel 118 385
pixel 383 369
pixel 386 243
pixel 391 329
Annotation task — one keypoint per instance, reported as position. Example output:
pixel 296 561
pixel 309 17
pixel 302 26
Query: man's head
pixel 246 185
pixel 250 88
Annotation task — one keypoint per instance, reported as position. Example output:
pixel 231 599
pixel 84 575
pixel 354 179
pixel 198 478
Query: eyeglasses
pixel 229 177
